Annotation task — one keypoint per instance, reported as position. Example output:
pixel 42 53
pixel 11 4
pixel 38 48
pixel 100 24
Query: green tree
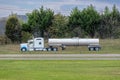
pixel 75 23
pixel 33 25
pixel 90 20
pixel 59 27
pixel 84 23
pixel 26 32
pixel 115 25
pixel 25 36
pixel 13 28
pixel 109 24
pixel 26 28
pixel 40 21
pixel 103 30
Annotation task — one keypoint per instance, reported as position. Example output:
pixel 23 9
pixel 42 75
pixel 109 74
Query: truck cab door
pixel 30 45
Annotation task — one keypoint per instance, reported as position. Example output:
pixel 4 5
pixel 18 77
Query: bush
pixel 4 40
pixel 26 36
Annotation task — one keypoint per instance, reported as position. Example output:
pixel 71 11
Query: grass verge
pixel 59 70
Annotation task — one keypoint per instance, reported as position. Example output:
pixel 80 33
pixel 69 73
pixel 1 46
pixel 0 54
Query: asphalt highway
pixel 59 56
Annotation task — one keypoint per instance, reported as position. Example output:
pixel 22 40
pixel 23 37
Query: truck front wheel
pixel 23 49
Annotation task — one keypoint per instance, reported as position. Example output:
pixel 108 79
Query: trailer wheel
pixel 49 49
pixel 91 49
pixel 23 49
pixel 96 49
pixel 55 49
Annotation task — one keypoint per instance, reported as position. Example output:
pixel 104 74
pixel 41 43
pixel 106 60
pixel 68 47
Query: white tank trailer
pixel 93 44
pixel 53 44
pixel 73 42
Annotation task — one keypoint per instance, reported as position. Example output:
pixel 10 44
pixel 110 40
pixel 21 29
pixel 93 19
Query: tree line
pixel 86 23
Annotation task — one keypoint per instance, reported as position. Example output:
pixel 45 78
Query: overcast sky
pixel 63 6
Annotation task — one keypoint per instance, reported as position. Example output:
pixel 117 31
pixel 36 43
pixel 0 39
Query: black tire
pixel 49 49
pixel 96 49
pixel 23 49
pixel 55 49
pixel 91 49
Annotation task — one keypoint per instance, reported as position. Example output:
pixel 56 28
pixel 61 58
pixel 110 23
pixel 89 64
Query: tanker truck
pixel 37 44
